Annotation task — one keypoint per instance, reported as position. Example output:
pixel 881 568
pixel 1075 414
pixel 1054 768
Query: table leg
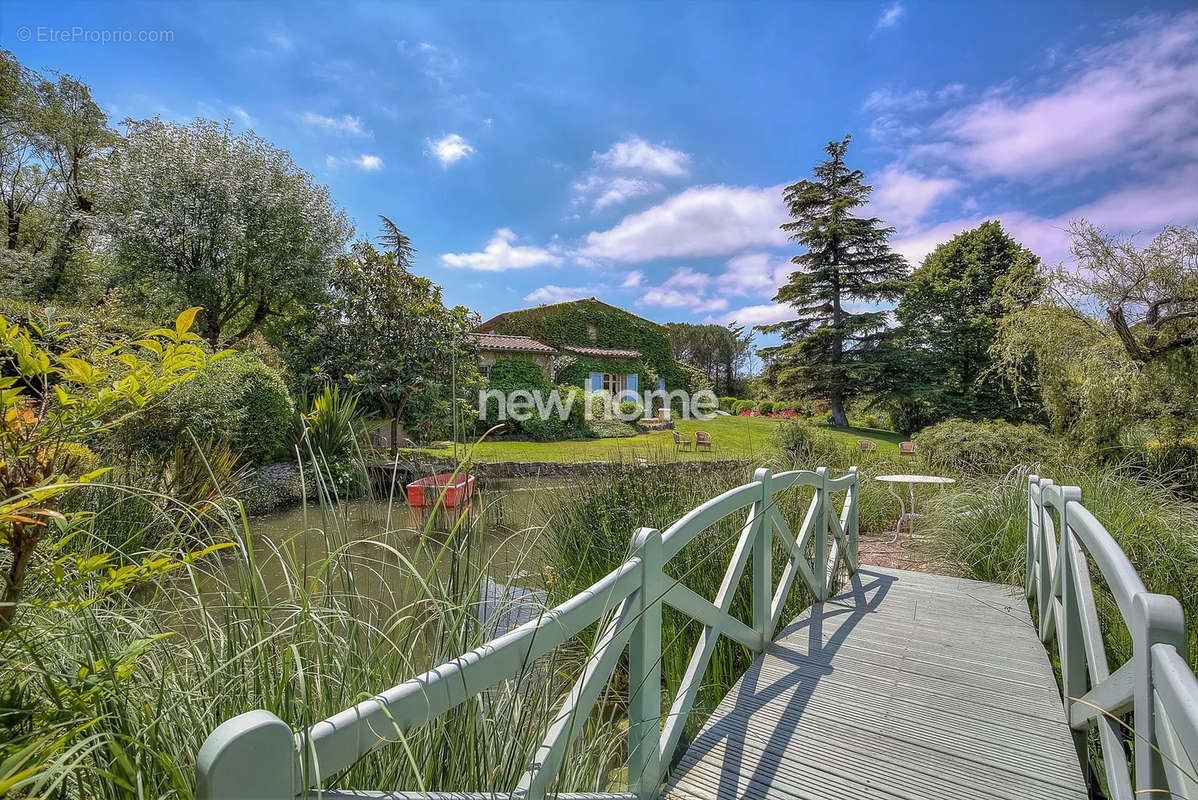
pixel 902 512
pixel 911 491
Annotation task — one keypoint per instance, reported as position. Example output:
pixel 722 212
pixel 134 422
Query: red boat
pixel 457 489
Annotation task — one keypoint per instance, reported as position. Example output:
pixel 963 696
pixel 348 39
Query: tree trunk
pixel 839 419
pixel 394 438
pixel 58 264
pixel 22 546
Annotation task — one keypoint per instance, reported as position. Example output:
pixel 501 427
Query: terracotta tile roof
pixel 603 352
pixel 515 344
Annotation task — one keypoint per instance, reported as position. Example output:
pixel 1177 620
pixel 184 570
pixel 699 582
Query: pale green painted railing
pixel 256 756
pixel 1155 685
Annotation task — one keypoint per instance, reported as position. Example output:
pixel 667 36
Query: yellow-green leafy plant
pixel 52 404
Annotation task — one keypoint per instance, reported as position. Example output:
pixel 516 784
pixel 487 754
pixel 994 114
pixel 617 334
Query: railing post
pixel 762 532
pixel 252 756
pixel 1029 574
pixel 1158 619
pixel 820 539
pixel 644 671
pixel 1071 643
pixel 1044 589
pixel 854 497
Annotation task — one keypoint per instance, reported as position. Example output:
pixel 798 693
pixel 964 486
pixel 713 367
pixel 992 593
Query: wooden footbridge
pixel 894 685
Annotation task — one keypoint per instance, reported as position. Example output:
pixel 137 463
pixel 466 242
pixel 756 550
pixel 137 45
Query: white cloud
pixel 755 273
pixel 763 314
pixel 642 156
pixel 369 163
pixel 345 125
pixel 243 115
pixel 890 15
pixel 559 294
pixel 602 191
pixel 913 100
pixel 449 149
pixel 1122 103
pixel 685 288
pixel 701 221
pixel 632 279
pixel 902 198
pixel 500 254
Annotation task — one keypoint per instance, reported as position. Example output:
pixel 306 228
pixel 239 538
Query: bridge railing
pixel 1155 685
pixel 256 755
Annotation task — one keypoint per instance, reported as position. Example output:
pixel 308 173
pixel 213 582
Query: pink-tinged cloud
pixel 1134 97
pixel 1144 208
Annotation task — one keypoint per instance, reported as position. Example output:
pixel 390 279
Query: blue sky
pixel 539 152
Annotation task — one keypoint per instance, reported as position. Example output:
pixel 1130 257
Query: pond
pixel 383 555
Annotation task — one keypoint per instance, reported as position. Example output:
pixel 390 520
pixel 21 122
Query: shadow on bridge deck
pixel 905 685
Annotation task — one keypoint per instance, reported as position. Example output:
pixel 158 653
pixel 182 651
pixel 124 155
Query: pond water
pixel 381 553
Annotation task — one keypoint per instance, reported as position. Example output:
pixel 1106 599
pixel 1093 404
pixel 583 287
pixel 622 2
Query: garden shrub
pixel 808 447
pixel 981 448
pixel 742 405
pixel 628 408
pixel 238 400
pixel 1165 449
pixel 612 429
pixel 727 404
pixel 766 407
pixel 331 427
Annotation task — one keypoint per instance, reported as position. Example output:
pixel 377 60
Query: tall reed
pixel 113 698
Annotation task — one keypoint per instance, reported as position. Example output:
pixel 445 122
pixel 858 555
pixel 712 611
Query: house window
pixel 592 332
pixel 613 384
pixel 484 370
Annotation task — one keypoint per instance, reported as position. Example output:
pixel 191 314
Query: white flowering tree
pixel 198 216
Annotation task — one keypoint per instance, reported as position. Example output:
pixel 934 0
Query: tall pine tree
pixel 828 351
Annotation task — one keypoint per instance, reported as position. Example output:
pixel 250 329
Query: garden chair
pixel 867 446
pixel 907 448
pixel 703 439
pixel 681 441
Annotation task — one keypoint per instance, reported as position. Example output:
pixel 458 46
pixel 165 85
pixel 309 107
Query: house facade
pixel 595 346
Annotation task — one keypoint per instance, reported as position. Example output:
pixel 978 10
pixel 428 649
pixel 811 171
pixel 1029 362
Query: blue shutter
pixel 631 382
pixel 661 384
pixel 596 381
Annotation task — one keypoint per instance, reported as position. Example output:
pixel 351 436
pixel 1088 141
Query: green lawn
pixel 732 437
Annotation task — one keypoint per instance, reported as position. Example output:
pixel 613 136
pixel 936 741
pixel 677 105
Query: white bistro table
pixel 908 514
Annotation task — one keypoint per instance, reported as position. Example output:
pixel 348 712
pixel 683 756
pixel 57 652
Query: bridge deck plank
pixel 906 685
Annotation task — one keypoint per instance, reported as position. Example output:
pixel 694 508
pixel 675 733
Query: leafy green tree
pixel 386 333
pixel 828 350
pixel 1111 343
pixel 51 135
pixel 72 133
pixel 720 352
pixel 948 316
pixel 200 216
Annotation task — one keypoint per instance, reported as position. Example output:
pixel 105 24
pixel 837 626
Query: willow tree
pixel 829 350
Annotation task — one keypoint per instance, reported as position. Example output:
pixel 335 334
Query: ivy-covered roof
pixel 514 344
pixel 603 352
pixel 496 322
